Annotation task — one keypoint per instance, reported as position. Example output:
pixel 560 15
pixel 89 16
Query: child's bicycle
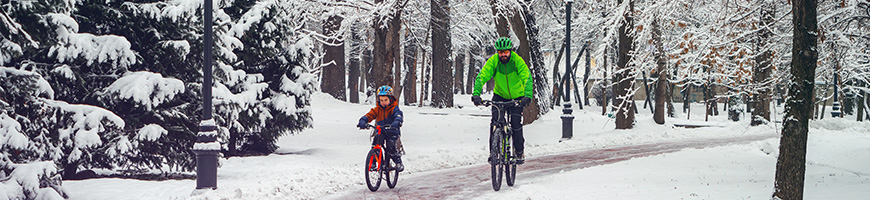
pixel 501 155
pixel 378 163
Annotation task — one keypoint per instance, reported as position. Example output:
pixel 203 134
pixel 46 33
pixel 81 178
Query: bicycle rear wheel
pixel 391 173
pixel 496 155
pixel 373 169
pixel 510 166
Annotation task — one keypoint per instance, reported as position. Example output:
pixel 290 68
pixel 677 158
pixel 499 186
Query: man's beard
pixel 504 59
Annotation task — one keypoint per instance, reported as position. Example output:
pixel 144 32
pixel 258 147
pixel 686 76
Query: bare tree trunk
pixel 525 28
pixel 624 115
pixel 424 94
pixel 715 100
pixel 410 86
pixel 604 78
pixel 442 68
pixel 815 108
pixel 686 94
pixel 473 64
pixel 366 80
pixel 686 107
pixel 613 74
pixel 586 74
pixel 823 102
pixel 860 105
pixel 367 73
pixel 381 68
pixel 385 47
pixel 661 83
pixel 670 99
pixel 459 73
pixel 791 163
pixel 501 22
pixel 334 70
pixel 354 79
pixel 761 110
pixel 501 27
pixel 866 102
pixel 707 111
pixel 395 46
pixel 490 51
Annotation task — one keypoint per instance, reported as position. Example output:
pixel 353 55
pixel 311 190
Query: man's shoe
pixel 520 158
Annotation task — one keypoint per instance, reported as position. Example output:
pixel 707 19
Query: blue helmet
pixel 385 91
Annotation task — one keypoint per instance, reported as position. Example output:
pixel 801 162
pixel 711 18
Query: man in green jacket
pixel 512 82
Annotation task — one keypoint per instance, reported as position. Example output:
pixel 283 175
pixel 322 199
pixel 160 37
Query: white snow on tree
pixel 146 88
pixel 262 84
pixel 37 180
pixel 29 180
pixel 72 45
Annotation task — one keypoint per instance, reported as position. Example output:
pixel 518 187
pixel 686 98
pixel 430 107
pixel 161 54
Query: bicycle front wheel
pixel 496 156
pixel 391 173
pixel 373 169
pixel 510 166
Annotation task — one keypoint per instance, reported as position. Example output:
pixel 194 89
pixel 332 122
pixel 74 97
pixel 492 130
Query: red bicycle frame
pixel 379 158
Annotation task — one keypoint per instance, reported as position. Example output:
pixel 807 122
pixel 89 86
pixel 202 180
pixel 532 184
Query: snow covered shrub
pixel 37 180
pixel 262 88
pixel 150 104
pixel 22 176
pixel 116 85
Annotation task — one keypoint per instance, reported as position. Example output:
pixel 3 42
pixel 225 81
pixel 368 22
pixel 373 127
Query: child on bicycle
pixel 386 113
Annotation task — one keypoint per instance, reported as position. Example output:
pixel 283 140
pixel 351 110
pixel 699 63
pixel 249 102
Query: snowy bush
pixel 150 103
pixel 262 88
pixel 37 180
pixel 31 180
pixel 116 85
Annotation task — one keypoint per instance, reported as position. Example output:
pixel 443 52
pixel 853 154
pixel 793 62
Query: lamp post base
pixel 567 122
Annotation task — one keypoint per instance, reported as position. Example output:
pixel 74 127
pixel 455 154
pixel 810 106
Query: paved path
pixel 465 182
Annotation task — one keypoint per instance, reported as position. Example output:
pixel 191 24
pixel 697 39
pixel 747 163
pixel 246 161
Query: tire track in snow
pixel 470 181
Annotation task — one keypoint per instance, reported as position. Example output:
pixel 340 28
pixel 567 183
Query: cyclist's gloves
pixel 396 124
pixel 362 122
pixel 476 99
pixel 525 101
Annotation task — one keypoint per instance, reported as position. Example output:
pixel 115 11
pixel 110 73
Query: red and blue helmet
pixel 385 91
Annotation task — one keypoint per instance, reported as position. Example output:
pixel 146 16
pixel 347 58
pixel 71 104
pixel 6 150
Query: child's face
pixel 384 100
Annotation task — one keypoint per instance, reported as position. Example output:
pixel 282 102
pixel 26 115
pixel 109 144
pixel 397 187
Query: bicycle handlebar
pixel 369 126
pixel 500 103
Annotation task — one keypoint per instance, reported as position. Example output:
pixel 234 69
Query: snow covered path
pixel 468 182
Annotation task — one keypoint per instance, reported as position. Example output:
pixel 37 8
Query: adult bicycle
pixel 502 156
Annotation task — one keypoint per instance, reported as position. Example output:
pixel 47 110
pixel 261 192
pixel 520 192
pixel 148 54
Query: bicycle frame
pixel 375 132
pixel 502 123
pixel 500 145
pixel 379 157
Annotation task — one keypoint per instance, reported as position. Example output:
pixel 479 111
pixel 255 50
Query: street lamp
pixel 207 148
pixel 567 117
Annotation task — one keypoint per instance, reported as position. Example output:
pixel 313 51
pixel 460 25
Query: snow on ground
pixel 327 159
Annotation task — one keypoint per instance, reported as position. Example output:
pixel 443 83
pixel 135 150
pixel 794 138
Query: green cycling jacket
pixel 512 80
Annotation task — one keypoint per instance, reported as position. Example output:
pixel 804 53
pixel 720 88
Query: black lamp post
pixel 567 117
pixel 207 148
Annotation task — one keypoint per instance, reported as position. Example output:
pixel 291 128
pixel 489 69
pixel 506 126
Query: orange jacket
pixel 385 115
